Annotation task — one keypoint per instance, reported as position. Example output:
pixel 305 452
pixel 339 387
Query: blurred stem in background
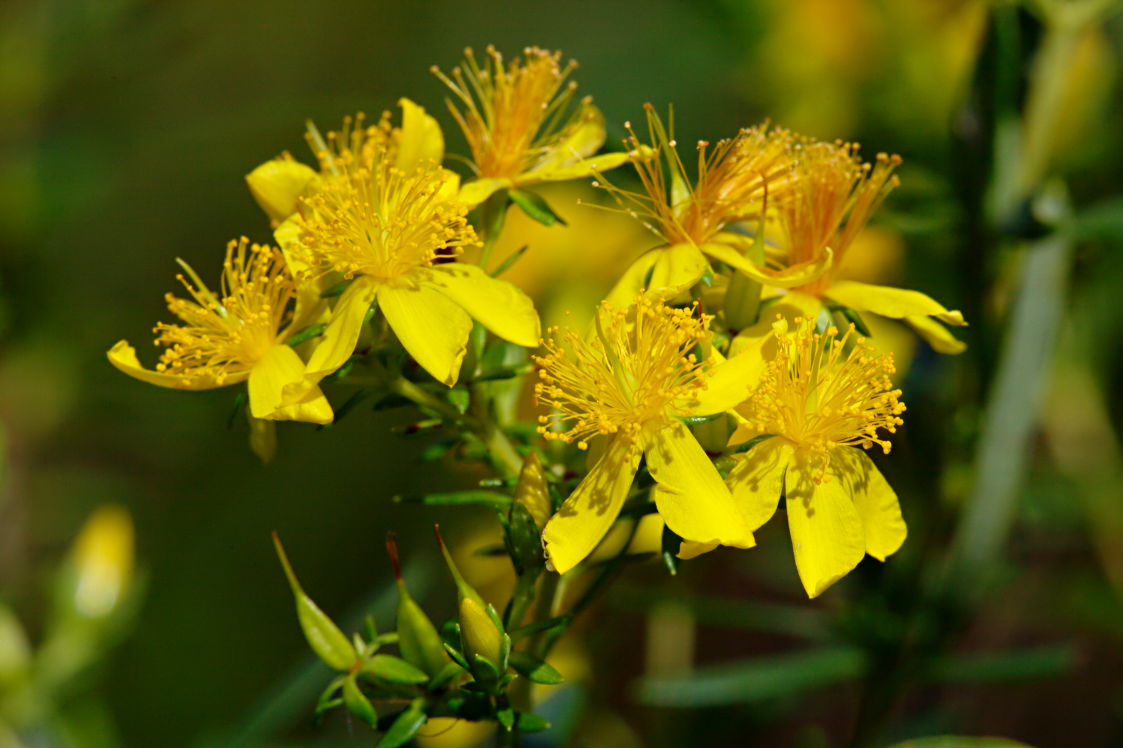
pixel 1019 191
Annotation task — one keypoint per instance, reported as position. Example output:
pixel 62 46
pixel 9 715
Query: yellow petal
pixel 431 326
pixel 277 369
pixel 631 281
pixel 498 305
pixel 263 438
pixel 277 184
pixel 791 306
pixel 584 518
pixel 897 303
pixel 874 498
pixel 728 384
pixel 936 335
pixel 757 479
pixel 477 191
pixel 339 338
pixel 688 549
pixel 827 534
pixel 631 537
pixel 587 167
pixel 420 140
pixel 790 277
pixel 123 356
pixel 689 492
pixel 581 138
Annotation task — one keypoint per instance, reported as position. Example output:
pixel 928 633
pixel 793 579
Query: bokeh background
pixel 127 127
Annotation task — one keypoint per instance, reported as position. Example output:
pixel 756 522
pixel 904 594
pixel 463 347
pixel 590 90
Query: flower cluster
pixel 729 369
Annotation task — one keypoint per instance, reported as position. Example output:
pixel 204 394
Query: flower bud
pixel 325 638
pixel 418 639
pixel 103 562
pixel 532 490
pixel 480 635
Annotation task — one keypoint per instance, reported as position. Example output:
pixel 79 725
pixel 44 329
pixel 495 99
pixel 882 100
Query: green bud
pixel 358 703
pixel 532 490
pixel 478 630
pixel 481 631
pixel 418 639
pixel 392 670
pixel 325 638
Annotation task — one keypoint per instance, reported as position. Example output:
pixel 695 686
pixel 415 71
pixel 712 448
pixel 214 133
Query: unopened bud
pixel 480 635
pixel 103 562
pixel 325 638
pixel 418 639
pixel 532 490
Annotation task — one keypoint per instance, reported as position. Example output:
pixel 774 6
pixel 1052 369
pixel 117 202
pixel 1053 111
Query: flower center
pixel 821 393
pixel 832 197
pixel 735 180
pixel 230 334
pixel 512 115
pixel 374 219
pixel 629 374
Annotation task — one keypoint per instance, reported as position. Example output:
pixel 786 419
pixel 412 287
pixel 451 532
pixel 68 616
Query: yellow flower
pixel 736 181
pixel 631 383
pixel 397 232
pixel 822 397
pixel 103 561
pixel 238 336
pixel 832 196
pixel 522 124
pixel 278 184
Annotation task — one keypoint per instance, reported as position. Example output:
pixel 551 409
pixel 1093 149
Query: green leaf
pixel 751 443
pixel 455 654
pixel 240 401
pixel 337 289
pixel 459 398
pixel 852 316
pixel 328 700
pixel 305 333
pixel 443 678
pixel 545 625
pixel 1104 220
pixel 959 741
pixel 484 669
pixel 405 726
pixel 534 669
pixel 696 420
pixel 393 670
pixel 1017 665
pixel 671 544
pixel 509 261
pixel 524 539
pixel 536 207
pixel 358 703
pixel 527 722
pixel 348 405
pixel 504 372
pixel 506 717
pixel 754 680
pixel 473 497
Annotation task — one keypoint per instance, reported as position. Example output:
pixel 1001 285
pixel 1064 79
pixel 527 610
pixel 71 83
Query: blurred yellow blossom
pixel 522 124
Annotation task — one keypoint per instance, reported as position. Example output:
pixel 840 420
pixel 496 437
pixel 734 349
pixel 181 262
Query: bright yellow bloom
pixel 278 184
pixel 397 232
pixel 630 383
pixel 822 396
pixel 237 335
pixel 833 194
pixel 737 180
pixel 522 123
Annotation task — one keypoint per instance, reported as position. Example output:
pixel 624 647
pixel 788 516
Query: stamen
pixel 823 391
pixel 228 335
pixel 630 374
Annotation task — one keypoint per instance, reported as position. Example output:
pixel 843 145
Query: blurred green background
pixel 127 128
